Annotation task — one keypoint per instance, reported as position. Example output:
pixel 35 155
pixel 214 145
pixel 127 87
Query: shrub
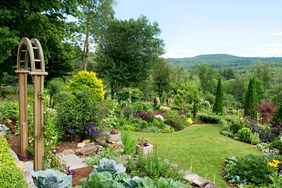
pixel 244 135
pixel 107 153
pixel 152 166
pixel 207 118
pixel 87 81
pixel 249 169
pixel 129 94
pixel 235 126
pixel 78 116
pixel 277 144
pixel 254 137
pixel 266 110
pixel 10 175
pixel 139 106
pixel 176 123
pixel 55 86
pixel 129 144
pixel 277 117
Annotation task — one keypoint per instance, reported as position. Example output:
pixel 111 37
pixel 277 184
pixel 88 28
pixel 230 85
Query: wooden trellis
pixel 31 51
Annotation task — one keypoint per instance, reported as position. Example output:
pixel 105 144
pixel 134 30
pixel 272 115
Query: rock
pixel 195 179
pixel 211 185
pixel 113 138
pixel 102 142
pixel 81 145
pixel 87 150
pixel 72 161
pixel 68 151
pixel 14 154
pixel 116 146
pixel 146 149
pixel 86 141
pixel 20 164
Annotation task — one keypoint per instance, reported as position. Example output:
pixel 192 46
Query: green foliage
pixel 108 174
pixel 277 117
pixel 139 106
pixel 10 175
pixel 153 167
pixel 277 144
pixel 209 118
pixel 244 135
pixel 249 169
pixel 206 75
pixel 87 81
pixel 218 105
pixel 129 144
pixel 107 153
pixel 76 113
pixel 162 76
pixel 127 52
pixel 129 94
pixel 254 138
pixel 251 100
pixel 55 86
pixel 51 178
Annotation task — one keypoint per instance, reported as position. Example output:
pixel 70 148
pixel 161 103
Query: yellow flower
pixel 190 121
pixel 274 163
pixel 241 118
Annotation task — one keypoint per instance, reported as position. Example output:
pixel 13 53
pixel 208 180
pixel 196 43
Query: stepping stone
pixel 211 185
pixel 28 165
pixel 91 149
pixel 195 179
pixel 72 161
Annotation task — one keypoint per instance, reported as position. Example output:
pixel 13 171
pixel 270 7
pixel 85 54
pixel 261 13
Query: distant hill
pixel 221 61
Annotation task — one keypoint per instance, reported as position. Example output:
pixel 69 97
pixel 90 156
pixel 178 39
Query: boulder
pixel 92 149
pixel 195 179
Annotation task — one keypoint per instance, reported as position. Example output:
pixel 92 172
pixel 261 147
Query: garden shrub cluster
pixel 108 174
pixel 209 118
pixel 257 170
pixel 10 175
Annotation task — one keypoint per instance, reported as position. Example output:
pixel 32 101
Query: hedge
pixel 10 175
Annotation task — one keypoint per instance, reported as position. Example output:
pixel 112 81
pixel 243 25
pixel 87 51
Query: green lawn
pixel 199 147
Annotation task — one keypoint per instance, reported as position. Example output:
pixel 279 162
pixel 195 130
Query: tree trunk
pixel 86 51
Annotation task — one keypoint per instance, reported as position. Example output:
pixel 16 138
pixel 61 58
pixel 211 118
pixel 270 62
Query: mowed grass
pixel 200 148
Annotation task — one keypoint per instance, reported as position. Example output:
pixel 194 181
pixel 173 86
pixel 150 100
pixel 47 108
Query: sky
pixel 194 27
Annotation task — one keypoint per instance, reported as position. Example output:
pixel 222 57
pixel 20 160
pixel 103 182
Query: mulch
pixel 80 173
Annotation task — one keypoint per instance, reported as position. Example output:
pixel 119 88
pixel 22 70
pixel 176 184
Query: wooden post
pixel 38 121
pixel 28 46
pixel 23 111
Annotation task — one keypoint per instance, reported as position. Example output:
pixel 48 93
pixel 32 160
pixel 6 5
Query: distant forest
pixel 222 61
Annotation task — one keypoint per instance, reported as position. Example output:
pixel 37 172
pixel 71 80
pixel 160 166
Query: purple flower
pixel 71 131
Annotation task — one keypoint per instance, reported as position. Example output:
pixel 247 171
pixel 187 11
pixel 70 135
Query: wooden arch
pixel 30 53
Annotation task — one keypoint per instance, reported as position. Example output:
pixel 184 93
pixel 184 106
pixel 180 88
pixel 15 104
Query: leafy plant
pixel 110 166
pixel 107 153
pixel 10 175
pixel 207 118
pixel 277 144
pixel 129 144
pixel 129 94
pixel 244 135
pixel 51 179
pixel 152 166
pixel 87 81
pixel 251 169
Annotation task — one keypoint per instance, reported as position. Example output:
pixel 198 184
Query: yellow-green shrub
pixel 87 81
pixel 10 175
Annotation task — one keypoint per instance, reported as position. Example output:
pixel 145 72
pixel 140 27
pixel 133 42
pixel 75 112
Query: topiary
pixel 87 81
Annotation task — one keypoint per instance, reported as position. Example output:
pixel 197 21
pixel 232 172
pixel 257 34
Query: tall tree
pixel 263 72
pixel 162 77
pixel 251 100
pixel 206 75
pixel 128 51
pixel 93 20
pixel 39 19
pixel 218 105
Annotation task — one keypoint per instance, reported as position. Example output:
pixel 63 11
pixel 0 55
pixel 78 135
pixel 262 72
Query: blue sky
pixel 194 27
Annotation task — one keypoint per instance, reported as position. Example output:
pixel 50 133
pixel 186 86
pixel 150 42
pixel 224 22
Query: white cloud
pixel 264 51
pixel 276 33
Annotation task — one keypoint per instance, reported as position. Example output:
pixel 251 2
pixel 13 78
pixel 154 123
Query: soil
pixel 14 142
pixel 66 145
pixel 80 173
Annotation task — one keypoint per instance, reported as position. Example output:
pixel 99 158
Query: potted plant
pixel 113 136
pixel 144 146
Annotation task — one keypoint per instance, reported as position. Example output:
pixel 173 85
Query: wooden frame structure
pixel 31 51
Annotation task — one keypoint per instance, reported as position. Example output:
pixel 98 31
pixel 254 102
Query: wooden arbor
pixel 31 51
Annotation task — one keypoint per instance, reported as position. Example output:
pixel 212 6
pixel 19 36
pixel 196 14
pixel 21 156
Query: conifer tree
pixel 277 117
pixel 218 105
pixel 251 100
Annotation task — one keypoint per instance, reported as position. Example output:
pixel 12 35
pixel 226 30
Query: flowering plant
pixel 274 163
